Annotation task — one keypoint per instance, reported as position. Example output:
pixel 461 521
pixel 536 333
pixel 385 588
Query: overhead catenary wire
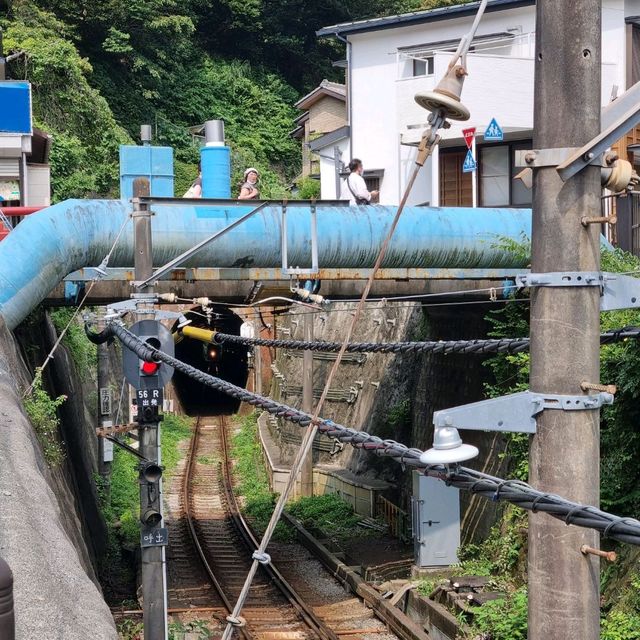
pixel 480 346
pixel 514 491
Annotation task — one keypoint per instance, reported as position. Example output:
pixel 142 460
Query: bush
pixel 308 189
pixel 83 352
pixel 329 513
pixel 503 619
pixel 42 411
pixel 619 625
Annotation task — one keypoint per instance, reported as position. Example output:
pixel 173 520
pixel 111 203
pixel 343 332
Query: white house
pixel 390 59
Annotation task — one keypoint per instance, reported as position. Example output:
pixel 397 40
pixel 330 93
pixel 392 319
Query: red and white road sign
pixel 469 135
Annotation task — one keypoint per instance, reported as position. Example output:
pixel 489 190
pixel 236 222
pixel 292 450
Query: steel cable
pixel 493 488
pixel 480 346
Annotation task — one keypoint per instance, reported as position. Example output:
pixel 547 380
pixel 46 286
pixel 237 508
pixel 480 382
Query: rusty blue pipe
pixel 47 246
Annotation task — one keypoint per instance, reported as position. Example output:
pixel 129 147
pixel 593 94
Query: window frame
pixel 429 63
pixel 513 145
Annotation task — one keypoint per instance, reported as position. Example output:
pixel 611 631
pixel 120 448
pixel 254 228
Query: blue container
pixel 154 163
pixel 216 172
pixel 15 107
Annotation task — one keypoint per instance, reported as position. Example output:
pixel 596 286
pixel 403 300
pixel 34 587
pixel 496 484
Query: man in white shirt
pixel 354 188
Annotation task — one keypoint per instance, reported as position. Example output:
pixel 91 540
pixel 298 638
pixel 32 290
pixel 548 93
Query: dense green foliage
pixel 83 352
pixel 99 69
pixel 308 188
pixel 42 411
pixel 329 514
pixel 123 508
pixel 619 441
pixel 503 619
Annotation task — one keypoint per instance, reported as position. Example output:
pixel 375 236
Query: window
pixel 422 67
pixel 373 183
pixel 497 169
pixel 494 176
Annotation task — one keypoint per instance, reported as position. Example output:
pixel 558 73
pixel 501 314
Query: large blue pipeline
pixel 49 245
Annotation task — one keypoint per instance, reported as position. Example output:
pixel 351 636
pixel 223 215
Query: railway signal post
pixel 153 536
pixel 565 321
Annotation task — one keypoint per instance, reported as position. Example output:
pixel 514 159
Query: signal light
pixel 149 368
pixel 150 517
pixel 212 352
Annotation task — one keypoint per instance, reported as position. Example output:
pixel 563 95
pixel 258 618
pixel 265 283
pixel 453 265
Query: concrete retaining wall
pixel 359 494
pixel 40 533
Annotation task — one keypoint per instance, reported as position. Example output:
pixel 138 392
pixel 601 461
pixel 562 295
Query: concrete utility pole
pixel 565 322
pixel 153 565
pixel 306 473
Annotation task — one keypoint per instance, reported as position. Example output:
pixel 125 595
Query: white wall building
pixel 390 59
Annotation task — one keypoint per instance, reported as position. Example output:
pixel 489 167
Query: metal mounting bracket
pixel 618 117
pixel 537 158
pixel 297 271
pixel 618 291
pixel 561 279
pixel 515 412
pixel 131 306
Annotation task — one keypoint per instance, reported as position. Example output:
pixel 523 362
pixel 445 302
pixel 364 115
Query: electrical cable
pixel 253 312
pixel 480 346
pixel 514 491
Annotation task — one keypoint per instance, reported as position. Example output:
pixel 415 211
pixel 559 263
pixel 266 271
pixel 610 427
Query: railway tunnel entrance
pixel 228 362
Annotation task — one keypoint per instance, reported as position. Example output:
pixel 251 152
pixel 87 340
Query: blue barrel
pixel 216 172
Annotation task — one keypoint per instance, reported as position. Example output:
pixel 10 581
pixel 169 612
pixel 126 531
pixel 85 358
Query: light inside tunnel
pixel 227 362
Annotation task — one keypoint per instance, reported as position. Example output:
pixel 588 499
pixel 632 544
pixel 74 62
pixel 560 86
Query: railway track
pixel 210 554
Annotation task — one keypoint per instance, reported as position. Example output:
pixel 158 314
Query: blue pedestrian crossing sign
pixel 493 133
pixel 470 163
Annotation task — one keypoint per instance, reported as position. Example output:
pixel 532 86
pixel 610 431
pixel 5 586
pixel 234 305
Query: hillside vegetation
pixel 100 68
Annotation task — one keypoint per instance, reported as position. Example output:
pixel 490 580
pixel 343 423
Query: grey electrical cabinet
pixel 436 522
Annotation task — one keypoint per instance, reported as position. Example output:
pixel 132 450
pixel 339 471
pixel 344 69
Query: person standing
pixel 249 188
pixel 354 187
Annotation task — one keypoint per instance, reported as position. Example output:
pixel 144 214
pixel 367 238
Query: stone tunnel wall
pixel 50 529
pixel 391 396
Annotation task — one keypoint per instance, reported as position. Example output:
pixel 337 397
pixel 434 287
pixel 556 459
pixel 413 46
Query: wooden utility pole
pixel 153 558
pixel 306 473
pixel 565 321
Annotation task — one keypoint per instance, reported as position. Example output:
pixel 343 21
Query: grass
pixel 83 352
pixel 129 629
pixel 123 510
pixel 328 513
pixel 252 480
pixel 42 411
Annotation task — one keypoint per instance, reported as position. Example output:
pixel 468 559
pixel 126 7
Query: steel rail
pixel 186 497
pixel 305 612
pixel 514 491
